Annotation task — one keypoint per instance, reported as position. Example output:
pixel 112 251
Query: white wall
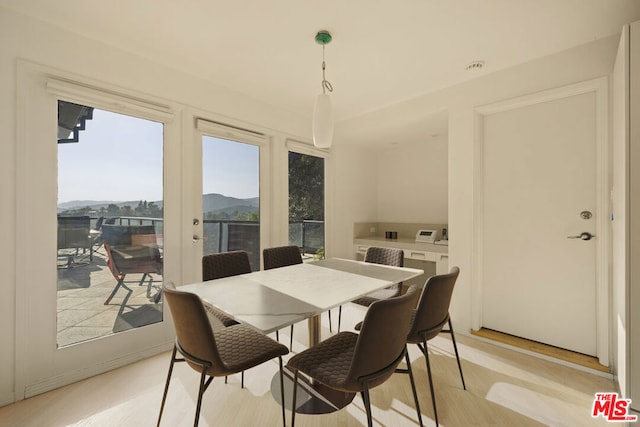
pixel 620 142
pixel 422 167
pixel 575 65
pixel 352 180
pixel 633 302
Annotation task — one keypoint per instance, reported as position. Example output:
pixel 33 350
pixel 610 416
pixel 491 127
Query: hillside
pixel 213 202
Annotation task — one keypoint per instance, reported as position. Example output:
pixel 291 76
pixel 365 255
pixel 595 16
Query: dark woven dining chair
pixel 282 256
pixel 356 363
pixel 385 256
pixel 429 319
pixel 218 266
pixel 214 354
pixel 224 264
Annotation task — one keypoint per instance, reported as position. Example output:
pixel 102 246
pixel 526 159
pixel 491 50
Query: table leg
pixel 314 331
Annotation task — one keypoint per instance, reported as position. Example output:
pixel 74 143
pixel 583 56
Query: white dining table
pixel 270 300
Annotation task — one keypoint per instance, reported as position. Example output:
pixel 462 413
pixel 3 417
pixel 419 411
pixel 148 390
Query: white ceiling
pixel 383 52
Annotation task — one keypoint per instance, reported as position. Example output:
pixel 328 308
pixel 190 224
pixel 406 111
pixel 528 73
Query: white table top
pixel 270 300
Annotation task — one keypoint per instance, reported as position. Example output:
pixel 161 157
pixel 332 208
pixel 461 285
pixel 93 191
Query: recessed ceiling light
pixel 475 65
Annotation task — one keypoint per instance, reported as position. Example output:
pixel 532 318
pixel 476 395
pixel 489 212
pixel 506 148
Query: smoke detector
pixel 474 66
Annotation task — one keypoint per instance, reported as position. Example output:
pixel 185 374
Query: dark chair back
pixel 121 235
pixel 281 256
pixel 432 313
pixel 193 331
pixel 386 256
pixel 137 251
pixel 73 232
pixel 225 264
pixel 382 340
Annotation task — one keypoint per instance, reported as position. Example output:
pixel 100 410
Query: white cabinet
pixel 419 255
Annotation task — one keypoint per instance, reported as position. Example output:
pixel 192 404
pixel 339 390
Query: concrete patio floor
pixel 83 287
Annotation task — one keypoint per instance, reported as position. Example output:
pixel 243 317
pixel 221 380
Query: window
pixel 231 197
pixel 110 222
pixel 306 204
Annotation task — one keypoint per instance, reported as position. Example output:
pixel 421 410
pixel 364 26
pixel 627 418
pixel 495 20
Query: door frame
pixel 196 125
pixel 39 365
pixel 599 86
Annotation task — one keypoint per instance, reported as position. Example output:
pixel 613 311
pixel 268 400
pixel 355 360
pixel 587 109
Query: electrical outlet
pixel 372 230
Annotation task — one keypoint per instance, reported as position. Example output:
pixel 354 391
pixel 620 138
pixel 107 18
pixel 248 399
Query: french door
pixel 100 172
pixel 228 202
pixel 90 159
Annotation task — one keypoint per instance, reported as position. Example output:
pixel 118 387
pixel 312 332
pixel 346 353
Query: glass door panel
pixel 110 223
pixel 231 197
pixel 306 204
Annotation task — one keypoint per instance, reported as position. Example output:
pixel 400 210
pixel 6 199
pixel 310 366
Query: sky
pixel 119 158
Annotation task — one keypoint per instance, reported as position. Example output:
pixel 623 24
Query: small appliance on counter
pixel 426 236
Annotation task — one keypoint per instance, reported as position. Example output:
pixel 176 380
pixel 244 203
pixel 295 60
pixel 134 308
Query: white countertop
pixel 401 243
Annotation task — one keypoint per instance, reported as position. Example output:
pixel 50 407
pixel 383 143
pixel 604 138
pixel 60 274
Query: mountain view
pixel 215 206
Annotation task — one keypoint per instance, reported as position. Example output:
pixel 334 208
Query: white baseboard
pixel 67 378
pixel 7 399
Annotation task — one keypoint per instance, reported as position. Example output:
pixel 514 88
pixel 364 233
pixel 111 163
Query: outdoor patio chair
pixel 132 249
pixel 74 233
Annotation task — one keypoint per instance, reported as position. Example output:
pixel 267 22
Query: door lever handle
pixel 583 236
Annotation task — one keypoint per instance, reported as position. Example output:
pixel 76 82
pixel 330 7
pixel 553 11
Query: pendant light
pixel 322 125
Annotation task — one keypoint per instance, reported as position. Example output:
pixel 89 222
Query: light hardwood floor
pixel 504 388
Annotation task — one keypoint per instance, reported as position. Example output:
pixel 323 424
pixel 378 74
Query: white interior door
pixel 540 191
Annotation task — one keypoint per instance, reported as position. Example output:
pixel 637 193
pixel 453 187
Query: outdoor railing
pixel 229 235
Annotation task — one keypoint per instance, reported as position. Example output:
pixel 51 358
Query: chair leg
pixel 144 276
pixel 413 386
pixel 277 336
pixel 284 420
pixel 242 379
pixel 367 404
pixel 291 340
pixel 293 401
pixel 330 325
pixel 433 396
pixel 339 317
pixel 455 347
pixel 115 290
pixel 166 386
pixel 200 393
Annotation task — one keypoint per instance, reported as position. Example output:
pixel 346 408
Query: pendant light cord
pixel 326 85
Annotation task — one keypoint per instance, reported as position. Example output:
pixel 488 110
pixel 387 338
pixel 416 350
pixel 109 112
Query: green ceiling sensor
pixel 323 37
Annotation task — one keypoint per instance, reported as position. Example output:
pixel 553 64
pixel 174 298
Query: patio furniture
pixel 74 233
pixel 132 249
